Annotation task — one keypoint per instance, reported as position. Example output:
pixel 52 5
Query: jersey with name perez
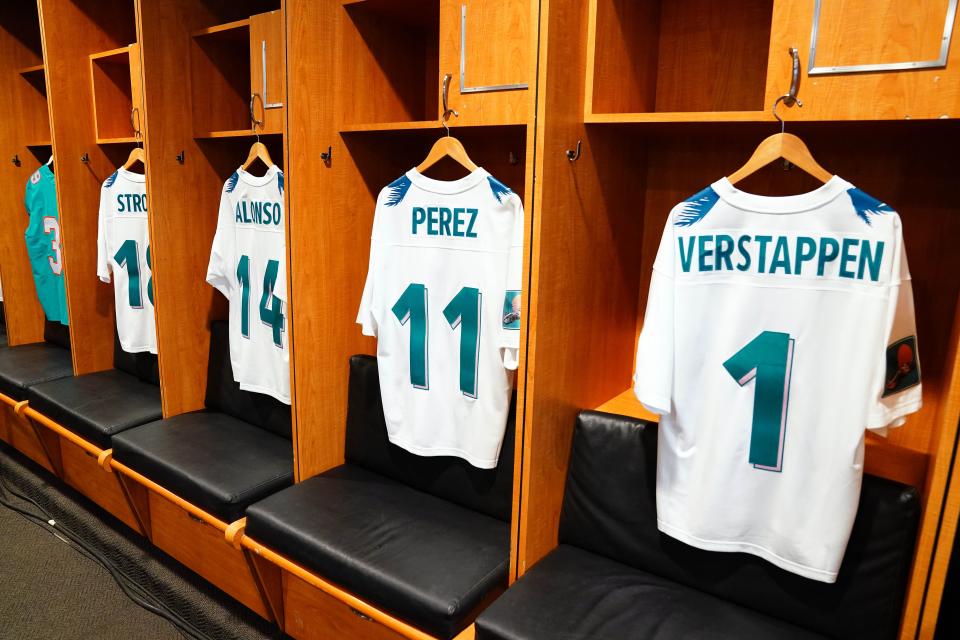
pixel 443 299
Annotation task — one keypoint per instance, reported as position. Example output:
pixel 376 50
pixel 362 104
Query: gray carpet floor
pixel 51 589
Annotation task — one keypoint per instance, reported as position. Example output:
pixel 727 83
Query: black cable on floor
pixel 128 586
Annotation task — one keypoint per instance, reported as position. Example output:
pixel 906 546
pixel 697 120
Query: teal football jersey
pixel 43 244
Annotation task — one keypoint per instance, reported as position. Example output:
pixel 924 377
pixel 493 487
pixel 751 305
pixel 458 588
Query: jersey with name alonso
pixel 123 255
pixel 776 331
pixel 443 299
pixel 248 265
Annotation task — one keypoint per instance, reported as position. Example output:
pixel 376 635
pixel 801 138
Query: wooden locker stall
pixel 25 138
pixel 200 67
pixel 364 108
pixel 93 84
pixel 201 63
pixel 666 98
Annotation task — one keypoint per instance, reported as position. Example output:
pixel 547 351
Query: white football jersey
pixel 443 299
pixel 123 255
pixel 248 264
pixel 776 331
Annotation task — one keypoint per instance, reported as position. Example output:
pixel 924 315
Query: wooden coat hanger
pixel 447 146
pixel 257 152
pixel 781 145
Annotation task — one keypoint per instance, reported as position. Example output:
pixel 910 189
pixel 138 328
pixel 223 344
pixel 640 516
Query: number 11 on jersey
pixel 768 359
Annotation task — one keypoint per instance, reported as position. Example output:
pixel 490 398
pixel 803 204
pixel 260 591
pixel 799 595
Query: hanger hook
pixel 137 134
pixel 446 109
pixel 785 98
pixel 253 118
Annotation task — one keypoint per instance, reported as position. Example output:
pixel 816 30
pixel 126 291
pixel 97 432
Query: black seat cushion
pixel 30 364
pixel 609 508
pixel 212 460
pixel 488 491
pixel 225 395
pixel 98 405
pixel 575 594
pixel 426 560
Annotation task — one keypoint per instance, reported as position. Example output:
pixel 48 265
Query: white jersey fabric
pixel 443 299
pixel 123 256
pixel 248 265
pixel 776 331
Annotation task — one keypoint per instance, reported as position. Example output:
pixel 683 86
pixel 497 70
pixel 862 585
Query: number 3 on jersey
pixel 51 225
pixel 463 312
pixel 271 307
pixel 767 358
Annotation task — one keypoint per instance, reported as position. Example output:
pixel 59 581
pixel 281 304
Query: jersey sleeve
pixel 653 378
pixel 367 315
pixel 513 296
pixel 218 270
pixel 897 391
pixel 103 260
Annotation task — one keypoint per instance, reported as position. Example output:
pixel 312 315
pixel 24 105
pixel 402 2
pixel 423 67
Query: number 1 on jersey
pixel 768 358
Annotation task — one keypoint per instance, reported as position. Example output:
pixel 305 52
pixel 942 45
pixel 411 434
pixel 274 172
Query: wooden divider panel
pixel 26 136
pixel 72 30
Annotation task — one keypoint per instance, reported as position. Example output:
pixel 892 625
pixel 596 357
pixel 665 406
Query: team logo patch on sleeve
pixel 511 310
pixel 903 369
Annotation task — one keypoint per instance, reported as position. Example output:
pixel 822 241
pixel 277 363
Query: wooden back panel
pixel 72 30
pixel 27 123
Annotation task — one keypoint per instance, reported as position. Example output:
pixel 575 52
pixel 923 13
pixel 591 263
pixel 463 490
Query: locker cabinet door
pixel 852 33
pixel 267 51
pixel 498 56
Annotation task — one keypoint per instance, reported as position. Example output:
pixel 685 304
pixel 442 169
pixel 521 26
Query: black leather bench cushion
pixel 30 364
pixel 609 508
pixel 574 594
pixel 488 491
pixel 95 406
pixel 225 395
pixel 426 560
pixel 212 460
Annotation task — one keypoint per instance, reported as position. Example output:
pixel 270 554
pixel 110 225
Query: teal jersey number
pixel 243 277
pixel 150 281
pixel 128 257
pixel 767 358
pixel 463 312
pixel 271 307
pixel 412 307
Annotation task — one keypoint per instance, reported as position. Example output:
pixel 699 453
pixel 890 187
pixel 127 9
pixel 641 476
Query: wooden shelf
pixel 678 116
pixel 235 29
pixel 231 133
pixel 119 140
pixel 119 54
pixel 37 68
pixel 41 143
pixel 412 125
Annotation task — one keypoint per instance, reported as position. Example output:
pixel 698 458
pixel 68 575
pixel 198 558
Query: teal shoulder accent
pixel 113 178
pixel 396 191
pixel 500 190
pixel 696 207
pixel 280 181
pixel 232 182
pixel 866 205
